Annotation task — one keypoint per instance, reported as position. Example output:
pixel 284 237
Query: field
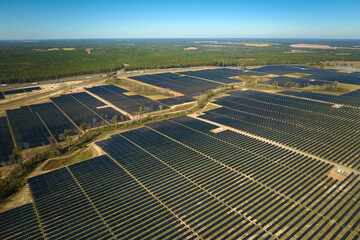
pixel 249 164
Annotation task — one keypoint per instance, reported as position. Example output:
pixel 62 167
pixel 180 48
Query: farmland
pixel 256 165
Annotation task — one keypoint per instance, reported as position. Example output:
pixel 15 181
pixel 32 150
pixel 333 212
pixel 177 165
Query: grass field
pixel 57 163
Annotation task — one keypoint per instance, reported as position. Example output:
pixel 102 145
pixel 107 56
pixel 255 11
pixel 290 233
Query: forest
pixel 29 61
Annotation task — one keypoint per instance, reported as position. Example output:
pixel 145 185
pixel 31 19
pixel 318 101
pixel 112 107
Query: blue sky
pixel 54 19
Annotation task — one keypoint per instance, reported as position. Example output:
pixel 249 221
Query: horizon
pixel 45 20
pixel 184 38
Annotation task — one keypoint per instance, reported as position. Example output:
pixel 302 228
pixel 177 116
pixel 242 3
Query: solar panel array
pixel 187 85
pixel 314 74
pixel 77 111
pixel 55 121
pixel 6 142
pixel 28 129
pixel 33 125
pixel 176 100
pixel 312 127
pixel 284 69
pixel 351 98
pixel 299 82
pixel 98 199
pixel 21 90
pixel 98 106
pixel 64 210
pixel 210 176
pixel 175 179
pixel 130 104
pixel 20 223
pixel 219 75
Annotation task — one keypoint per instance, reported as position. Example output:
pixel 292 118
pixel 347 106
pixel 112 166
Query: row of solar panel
pixel 158 188
pixel 190 86
pixel 350 99
pixel 94 199
pixel 131 104
pixel 168 158
pixel 21 90
pixel 32 126
pixel 329 75
pixel 270 116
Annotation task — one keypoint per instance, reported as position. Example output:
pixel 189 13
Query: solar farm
pixel 351 98
pixel 33 125
pixel 21 90
pixel 257 165
pixel 299 82
pixel 131 104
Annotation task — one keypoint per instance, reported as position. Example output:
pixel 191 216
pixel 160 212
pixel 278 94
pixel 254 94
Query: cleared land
pixel 312 46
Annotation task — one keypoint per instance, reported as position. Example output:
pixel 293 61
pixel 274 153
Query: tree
pixel 84 126
pixel 140 111
pixel 66 136
pixel 289 84
pixel 68 141
pixel 27 146
pixel 53 147
pixel 16 156
pixel 276 84
pixel 115 120
pixel 334 85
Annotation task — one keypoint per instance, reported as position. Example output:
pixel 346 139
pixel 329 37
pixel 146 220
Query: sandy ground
pixel 19 199
pixel 335 175
pixel 190 48
pixel 312 46
pixel 296 75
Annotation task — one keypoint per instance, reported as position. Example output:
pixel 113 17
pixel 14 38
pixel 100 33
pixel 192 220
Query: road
pixel 52 81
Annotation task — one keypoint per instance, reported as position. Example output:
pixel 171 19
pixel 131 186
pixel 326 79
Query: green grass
pixel 61 162
pixel 247 78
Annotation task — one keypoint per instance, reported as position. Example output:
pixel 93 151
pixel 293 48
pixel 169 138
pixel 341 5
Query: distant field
pixel 312 46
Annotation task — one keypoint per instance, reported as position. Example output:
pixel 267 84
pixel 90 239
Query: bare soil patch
pixel 296 75
pixel 333 173
pixel 17 200
pixel 190 48
pixel 219 129
pixel 312 46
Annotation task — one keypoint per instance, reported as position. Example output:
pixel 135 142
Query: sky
pixel 65 19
